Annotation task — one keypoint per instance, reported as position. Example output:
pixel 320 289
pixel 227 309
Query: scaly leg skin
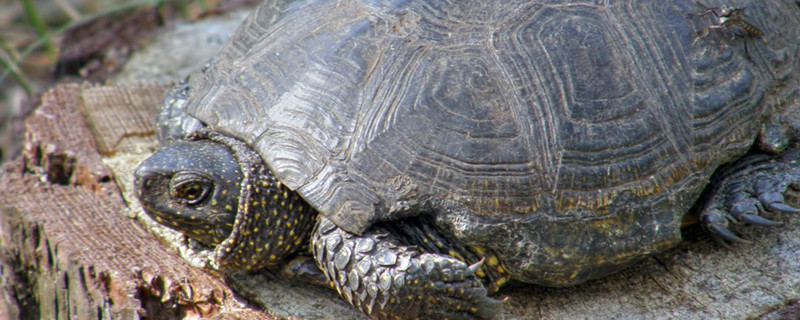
pixel 389 280
pixel 754 185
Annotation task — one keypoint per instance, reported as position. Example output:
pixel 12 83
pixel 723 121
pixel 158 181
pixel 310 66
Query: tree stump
pixel 71 248
pixel 68 250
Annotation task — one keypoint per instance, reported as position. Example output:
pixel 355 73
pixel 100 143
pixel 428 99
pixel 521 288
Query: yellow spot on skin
pixel 228 207
pixel 456 255
pixel 493 261
pixel 500 282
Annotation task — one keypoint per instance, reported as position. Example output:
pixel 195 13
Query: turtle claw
pixel 724 233
pixel 759 221
pixel 305 269
pixel 782 207
pixel 717 226
pixel 475 266
pixel 753 186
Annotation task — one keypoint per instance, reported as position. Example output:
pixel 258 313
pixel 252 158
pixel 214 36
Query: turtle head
pixel 191 187
pixel 217 190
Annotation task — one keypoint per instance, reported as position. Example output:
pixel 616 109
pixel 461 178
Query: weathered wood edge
pixel 68 250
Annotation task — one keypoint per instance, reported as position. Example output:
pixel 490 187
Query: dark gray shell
pixel 536 128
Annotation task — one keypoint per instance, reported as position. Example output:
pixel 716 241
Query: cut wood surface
pixel 72 249
pixel 67 246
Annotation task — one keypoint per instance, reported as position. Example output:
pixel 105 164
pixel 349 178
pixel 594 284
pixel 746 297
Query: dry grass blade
pixel 11 68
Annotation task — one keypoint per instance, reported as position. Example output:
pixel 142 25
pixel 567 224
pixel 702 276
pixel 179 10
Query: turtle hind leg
pixel 388 279
pixel 749 188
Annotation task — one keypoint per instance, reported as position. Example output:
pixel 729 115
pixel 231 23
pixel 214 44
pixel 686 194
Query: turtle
pixel 417 155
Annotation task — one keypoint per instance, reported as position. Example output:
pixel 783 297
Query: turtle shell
pixel 561 133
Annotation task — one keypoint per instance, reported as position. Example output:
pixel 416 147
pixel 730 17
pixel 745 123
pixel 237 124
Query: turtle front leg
pixel 390 280
pixel 749 188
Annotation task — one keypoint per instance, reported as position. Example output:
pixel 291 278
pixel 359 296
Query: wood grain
pixel 66 237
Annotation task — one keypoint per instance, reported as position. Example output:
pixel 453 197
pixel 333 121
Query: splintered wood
pixel 64 239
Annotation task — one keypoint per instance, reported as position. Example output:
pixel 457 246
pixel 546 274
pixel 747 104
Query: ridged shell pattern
pixel 536 112
pixel 501 105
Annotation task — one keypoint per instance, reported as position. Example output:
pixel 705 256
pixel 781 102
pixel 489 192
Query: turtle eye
pixel 190 188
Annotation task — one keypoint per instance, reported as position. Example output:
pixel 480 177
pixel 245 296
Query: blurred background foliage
pixel 43 42
pixel 29 31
